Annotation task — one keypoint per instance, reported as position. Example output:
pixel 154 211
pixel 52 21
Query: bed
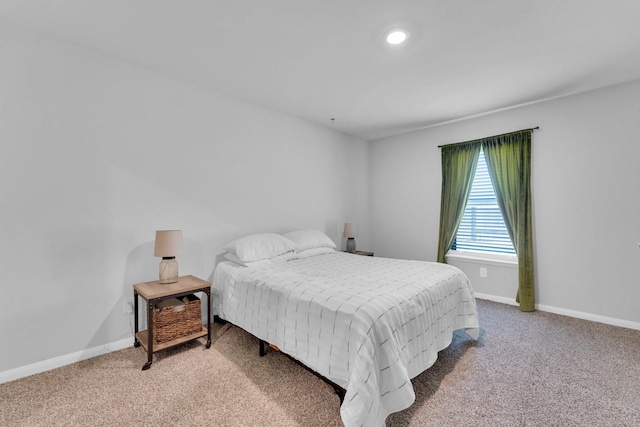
pixel 367 324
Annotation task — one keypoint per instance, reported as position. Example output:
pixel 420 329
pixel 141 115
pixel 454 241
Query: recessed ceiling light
pixel 397 36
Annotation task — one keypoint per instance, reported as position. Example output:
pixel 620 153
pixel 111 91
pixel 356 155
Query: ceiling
pixel 326 59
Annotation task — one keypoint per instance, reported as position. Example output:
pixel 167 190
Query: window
pixel 484 235
pixel 482 228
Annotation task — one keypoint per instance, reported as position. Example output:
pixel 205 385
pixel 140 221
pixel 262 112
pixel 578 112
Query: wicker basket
pixel 173 322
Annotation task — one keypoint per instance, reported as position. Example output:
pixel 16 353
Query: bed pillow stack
pixel 271 247
pixel 258 247
pixel 311 242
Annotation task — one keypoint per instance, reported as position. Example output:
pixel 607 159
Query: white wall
pixel 586 189
pixel 97 154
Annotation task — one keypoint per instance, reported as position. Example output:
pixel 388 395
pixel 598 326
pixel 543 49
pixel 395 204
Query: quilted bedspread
pixel 368 324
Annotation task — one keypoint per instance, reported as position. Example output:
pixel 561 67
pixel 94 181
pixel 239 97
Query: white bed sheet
pixel 368 324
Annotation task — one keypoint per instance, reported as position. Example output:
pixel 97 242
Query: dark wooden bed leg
pixel 336 388
pixel 339 391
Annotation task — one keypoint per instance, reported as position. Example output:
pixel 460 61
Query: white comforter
pixel 367 324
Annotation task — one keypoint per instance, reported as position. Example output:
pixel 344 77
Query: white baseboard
pixel 565 312
pixel 495 298
pixel 57 362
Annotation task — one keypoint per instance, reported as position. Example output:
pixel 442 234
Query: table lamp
pixel 350 234
pixel 168 245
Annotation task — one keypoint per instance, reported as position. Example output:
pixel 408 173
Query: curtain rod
pixel 466 142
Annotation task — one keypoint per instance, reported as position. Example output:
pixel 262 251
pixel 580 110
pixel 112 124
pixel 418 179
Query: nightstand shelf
pixel 143 336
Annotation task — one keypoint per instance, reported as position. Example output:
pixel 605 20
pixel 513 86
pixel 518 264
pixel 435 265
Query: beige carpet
pixel 527 369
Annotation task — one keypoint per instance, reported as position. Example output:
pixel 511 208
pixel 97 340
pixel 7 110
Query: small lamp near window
pixel 168 246
pixel 350 234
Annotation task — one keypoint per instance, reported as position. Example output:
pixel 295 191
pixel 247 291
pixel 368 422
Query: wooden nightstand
pixel 153 293
pixel 363 253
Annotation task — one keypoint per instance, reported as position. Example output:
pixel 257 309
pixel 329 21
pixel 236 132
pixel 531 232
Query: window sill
pixel 502 260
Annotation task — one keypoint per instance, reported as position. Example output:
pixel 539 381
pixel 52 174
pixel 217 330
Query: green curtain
pixel 458 169
pixel 509 163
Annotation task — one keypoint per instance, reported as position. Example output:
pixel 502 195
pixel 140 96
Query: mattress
pixel 368 324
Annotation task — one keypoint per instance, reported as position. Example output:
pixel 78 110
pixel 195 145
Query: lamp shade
pixel 168 243
pixel 349 230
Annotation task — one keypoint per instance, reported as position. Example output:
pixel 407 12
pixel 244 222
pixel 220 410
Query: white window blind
pixel 482 228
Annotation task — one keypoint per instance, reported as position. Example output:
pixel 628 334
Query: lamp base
pixel 351 245
pixel 168 271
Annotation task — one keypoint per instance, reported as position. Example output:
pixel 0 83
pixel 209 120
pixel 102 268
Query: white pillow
pixel 234 258
pixel 260 246
pixel 287 256
pixel 309 239
pixel 307 253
